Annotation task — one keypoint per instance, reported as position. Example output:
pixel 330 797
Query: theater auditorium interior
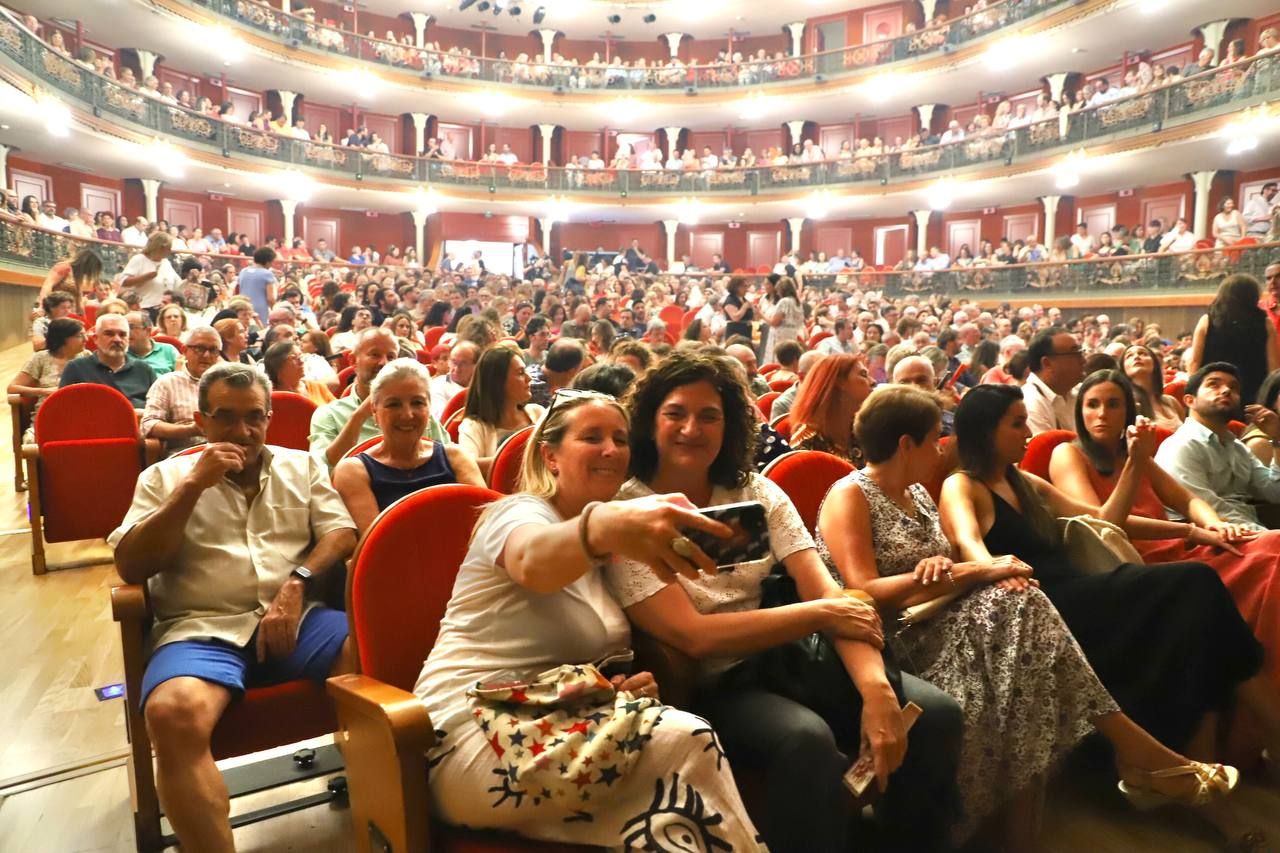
pixel 518 425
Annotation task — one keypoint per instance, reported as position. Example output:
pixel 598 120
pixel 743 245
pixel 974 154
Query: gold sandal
pixel 1215 781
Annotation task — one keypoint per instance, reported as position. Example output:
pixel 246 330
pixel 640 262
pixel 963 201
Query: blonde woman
pixel 149 273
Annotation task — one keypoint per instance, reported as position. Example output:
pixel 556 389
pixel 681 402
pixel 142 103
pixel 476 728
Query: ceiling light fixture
pixel 649 18
pixel 56 115
pixel 941 194
pixel 169 161
pixel 1067 173
pixel 465 5
pixel 614 19
pixel 223 42
pixel 558 209
pixel 818 205
pixel 426 202
pixel 881 87
pixel 514 11
pixel 296 186
pixel 689 211
pixel 755 107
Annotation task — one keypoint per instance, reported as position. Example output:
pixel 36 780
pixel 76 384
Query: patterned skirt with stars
pixel 658 782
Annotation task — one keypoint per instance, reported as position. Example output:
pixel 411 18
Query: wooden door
pixel 1020 226
pixel 246 222
pixel 178 212
pixel 388 127
pixel 832 136
pixel 830 238
pixel 98 199
pixel 881 24
pixel 964 232
pixel 459 136
pixel 245 102
pixel 891 244
pixel 763 248
pixel 1099 218
pixel 29 183
pixel 1166 208
pixel 702 245
pixel 317 228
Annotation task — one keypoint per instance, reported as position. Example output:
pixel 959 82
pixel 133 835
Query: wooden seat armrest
pixel 675 672
pixel 384 733
pixel 129 604
pixel 30 451
pixel 21 399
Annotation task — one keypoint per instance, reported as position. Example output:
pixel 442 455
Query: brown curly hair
pixel 733 463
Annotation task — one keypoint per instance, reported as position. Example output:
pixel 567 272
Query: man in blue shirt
pixel 258 283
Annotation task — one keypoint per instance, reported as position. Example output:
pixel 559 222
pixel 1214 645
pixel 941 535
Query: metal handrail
pixel 306 31
pixel 1204 95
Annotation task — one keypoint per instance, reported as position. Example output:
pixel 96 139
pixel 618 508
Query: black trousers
pixel 803 765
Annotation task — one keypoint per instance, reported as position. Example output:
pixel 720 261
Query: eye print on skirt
pixel 677 822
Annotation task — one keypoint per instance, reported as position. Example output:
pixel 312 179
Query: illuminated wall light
pixel 1067 173
pixel 882 87
pixel 55 114
pixel 1245 132
pixel 360 80
pixel 1242 145
pixel 1153 7
pixel 296 186
pixel 169 161
pixel 941 195
pixel 819 205
pixel 755 107
pixel 559 209
pixel 426 202
pixel 494 103
pixel 689 211
pixel 221 41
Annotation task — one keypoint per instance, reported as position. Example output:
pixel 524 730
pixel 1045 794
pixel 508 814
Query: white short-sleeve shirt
pixel 729 591
pixel 493 625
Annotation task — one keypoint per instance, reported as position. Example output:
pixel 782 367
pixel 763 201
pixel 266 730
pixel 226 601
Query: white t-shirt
pixel 151 292
pixel 731 591
pixel 493 625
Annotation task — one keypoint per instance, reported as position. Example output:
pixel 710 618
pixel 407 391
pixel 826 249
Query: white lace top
pixel 729 591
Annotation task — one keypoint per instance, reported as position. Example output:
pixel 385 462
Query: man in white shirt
pixel 229 543
pixel 937 259
pixel 508 157
pixel 594 161
pixel 150 86
pixel 953 133
pixel 81 224
pixel 1057 366
pixel 1179 239
pixel 810 153
pixel 300 130
pixel 1258 210
pixel 446 386
pixel 1081 241
pixel 839 342
pixel 49 217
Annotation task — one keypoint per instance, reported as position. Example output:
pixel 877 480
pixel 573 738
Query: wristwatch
pixel 303 574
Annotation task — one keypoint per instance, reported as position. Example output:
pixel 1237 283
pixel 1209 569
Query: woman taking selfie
pixel 996 643
pixel 534 558
pixel 692 434
pixel 1089 470
pixel 406 461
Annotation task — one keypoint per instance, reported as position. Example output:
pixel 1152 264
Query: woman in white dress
pixel 786 318
pixel 149 273
pixel 530 597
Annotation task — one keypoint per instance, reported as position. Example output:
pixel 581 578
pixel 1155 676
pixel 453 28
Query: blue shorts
pixel 320 639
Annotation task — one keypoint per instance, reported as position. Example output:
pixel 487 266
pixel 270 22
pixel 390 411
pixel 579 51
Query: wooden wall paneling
pixel 704 244
pixel 29 183
pixel 324 228
pixel 1165 208
pixel 98 199
pixel 759 140
pixel 519 138
pixel 388 127
pixel 321 114
pixel 881 24
pixel 891 244
pixel 580 143
pixel 891 129
pixel 763 248
pixel 1020 226
pixel 715 140
pixel 180 80
pixel 831 136
pixel 829 238
pixel 1099 218
pixel 181 212
pixel 245 102
pixel 249 222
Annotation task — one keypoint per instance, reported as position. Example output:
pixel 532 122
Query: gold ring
pixel 683 546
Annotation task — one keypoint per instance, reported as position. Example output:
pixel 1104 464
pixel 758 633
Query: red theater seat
pixel 455 404
pixel 782 426
pixel 504 476
pixel 290 420
pixel 806 476
pixel 1040 450
pixel 765 402
pixel 397 595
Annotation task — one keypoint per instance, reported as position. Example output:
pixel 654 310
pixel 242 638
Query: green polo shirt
pixel 133 380
pixel 330 418
pixel 163 357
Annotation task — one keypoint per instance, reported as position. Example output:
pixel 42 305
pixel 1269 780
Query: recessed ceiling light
pixel 227 184
pixel 1078 50
pixel 4 127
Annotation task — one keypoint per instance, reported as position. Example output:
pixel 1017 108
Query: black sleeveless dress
pixel 391 484
pixel 1166 640
pixel 1243 344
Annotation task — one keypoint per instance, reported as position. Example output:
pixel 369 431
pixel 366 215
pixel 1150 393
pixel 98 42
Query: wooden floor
pixel 64 782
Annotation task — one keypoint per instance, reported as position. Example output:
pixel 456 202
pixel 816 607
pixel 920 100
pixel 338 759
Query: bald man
pixel 339 426
pixel 747 358
pixel 783 402
pixel 918 371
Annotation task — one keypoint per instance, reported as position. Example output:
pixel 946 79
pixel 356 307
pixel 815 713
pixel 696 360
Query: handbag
pixel 808 671
pixel 1094 546
pixel 563 735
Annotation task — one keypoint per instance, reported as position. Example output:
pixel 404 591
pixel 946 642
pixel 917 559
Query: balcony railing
pixel 525 70
pixel 1204 95
pixel 1129 275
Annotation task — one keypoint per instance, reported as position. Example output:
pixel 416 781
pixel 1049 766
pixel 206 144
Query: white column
pixel 673 140
pixel 284 7
pixel 548 41
pixel 929 7
pixel 547 131
pixel 796 129
pixel 420 136
pixel 151 191
pixel 1202 181
pixel 797 225
pixel 546 224
pixel 673 43
pixel 925 111
pixel 922 231
pixel 671 225
pixel 287 100
pixel 1213 33
pixel 1057 83
pixel 1050 204
pixel 290 207
pixel 4 165
pixel 419 234
pixel 420 21
pixel 796 29
pixel 146 62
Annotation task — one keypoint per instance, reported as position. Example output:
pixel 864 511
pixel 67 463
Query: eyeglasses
pixel 223 418
pixel 203 350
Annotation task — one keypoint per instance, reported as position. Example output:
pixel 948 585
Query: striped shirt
pixel 173 399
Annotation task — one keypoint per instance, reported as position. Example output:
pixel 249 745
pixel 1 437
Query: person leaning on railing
pixel 77 275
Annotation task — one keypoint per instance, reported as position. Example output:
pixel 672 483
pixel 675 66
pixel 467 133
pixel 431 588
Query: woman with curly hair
pixel 693 433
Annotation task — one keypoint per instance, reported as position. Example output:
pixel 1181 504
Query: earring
pixel 555 472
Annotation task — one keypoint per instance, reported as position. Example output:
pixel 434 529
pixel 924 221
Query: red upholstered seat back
pixel 290 420
pixel 455 404
pixel 819 337
pixel 432 336
pixel 1175 389
pixel 171 341
pixel 781 385
pixel 505 474
pixel 346 376
pixel 85 411
pixel 806 476
pixel 401 580
pixel 367 444
pixel 765 402
pixel 86 485
pixel 1040 449
pixel 1161 434
pixel 673 316
pixel 782 426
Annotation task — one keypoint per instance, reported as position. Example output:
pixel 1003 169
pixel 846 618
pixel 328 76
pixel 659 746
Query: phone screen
pixel 750 539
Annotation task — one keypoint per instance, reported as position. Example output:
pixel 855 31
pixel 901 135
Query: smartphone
pixel 750 539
